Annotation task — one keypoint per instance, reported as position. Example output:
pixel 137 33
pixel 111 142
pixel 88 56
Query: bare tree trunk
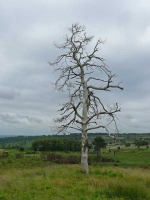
pixel 84 153
pixel 84 148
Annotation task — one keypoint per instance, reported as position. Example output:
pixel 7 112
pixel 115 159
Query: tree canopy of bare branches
pixel 79 68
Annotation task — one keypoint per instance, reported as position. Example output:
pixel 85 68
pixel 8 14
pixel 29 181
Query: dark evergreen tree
pixel 98 143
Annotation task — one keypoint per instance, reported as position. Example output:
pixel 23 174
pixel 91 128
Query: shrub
pixel 21 148
pixel 127 144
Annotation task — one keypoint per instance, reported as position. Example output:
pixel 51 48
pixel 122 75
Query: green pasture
pixel 129 157
pixel 125 157
pixel 68 182
pixel 126 177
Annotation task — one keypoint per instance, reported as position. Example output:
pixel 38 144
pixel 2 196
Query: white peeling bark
pixel 84 148
pixel 84 158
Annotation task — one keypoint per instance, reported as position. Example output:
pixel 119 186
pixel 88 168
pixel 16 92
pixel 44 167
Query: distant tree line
pixel 56 144
pixel 25 141
pixel 140 142
pixel 11 139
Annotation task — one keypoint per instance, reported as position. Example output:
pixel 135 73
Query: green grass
pixel 128 157
pixel 30 178
pixel 68 182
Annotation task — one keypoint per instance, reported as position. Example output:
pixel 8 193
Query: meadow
pixel 123 176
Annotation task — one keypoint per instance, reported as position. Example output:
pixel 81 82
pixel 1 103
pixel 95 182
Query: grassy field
pixel 127 177
pixel 129 157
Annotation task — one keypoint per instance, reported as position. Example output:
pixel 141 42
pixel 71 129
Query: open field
pixel 68 182
pixel 125 176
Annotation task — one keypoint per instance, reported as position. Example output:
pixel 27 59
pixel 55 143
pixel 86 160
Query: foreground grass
pixel 67 182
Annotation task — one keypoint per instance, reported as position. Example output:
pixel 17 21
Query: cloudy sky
pixel 27 32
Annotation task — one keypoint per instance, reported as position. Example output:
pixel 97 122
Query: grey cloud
pixel 30 119
pixel 7 93
pixel 18 119
pixel 9 118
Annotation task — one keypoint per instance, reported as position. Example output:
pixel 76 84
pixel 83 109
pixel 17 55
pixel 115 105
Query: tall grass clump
pixel 134 185
pixel 128 191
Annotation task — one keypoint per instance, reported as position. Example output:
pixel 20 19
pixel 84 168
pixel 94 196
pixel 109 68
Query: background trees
pixel 82 73
pixel 47 144
pixel 140 142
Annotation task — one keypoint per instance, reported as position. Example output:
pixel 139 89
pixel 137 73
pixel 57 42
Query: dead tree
pixel 78 70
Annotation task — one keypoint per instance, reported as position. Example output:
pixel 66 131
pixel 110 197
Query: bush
pixel 21 148
pixel 127 144
pixel 30 152
pixel 59 159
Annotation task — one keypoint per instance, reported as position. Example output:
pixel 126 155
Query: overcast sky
pixel 27 32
